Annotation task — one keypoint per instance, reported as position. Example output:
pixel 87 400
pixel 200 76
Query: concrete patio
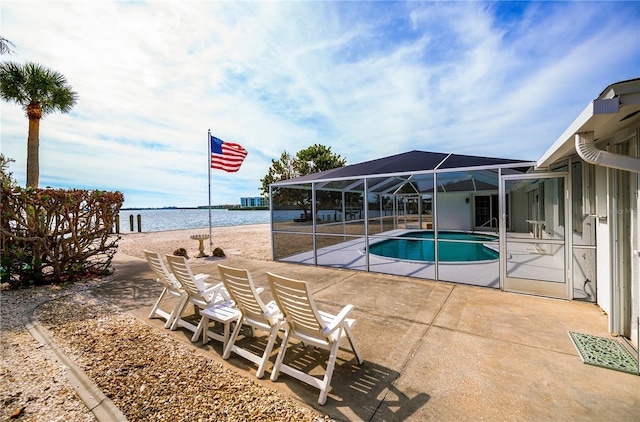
pixel 432 350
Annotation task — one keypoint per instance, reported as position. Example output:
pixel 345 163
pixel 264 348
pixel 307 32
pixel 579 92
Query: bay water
pixel 154 220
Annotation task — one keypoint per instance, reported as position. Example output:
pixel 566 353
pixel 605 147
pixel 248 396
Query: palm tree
pixel 5 46
pixel 39 91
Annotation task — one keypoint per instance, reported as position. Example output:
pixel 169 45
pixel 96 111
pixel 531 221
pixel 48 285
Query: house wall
pixel 454 213
pixel 617 196
pixel 622 292
pixel 519 211
pixel 635 263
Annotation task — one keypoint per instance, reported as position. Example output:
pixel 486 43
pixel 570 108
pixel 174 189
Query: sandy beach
pixel 248 241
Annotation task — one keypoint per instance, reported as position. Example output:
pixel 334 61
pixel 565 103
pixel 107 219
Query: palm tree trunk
pixel 34 112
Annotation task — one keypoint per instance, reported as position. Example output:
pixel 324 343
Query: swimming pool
pixel 452 247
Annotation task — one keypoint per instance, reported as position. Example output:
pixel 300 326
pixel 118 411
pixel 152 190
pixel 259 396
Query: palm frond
pixel 32 83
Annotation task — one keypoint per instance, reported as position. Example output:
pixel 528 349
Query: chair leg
pixel 352 342
pixel 201 328
pixel 232 340
pixel 267 351
pixel 155 307
pixel 326 381
pixel 174 325
pixel 176 309
pixel 280 358
pixel 225 335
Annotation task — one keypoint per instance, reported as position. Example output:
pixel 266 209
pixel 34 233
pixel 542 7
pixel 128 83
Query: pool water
pixel 452 247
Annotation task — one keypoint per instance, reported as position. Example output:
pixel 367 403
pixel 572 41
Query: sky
pixel 367 79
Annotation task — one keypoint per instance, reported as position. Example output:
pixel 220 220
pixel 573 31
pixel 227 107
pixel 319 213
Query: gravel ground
pixel 146 373
pixel 33 385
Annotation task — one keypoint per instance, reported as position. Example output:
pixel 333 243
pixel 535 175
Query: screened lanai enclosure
pixel 427 215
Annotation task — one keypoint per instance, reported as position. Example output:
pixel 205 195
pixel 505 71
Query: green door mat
pixel 604 352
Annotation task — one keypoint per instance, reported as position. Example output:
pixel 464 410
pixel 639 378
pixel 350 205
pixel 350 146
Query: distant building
pixel 256 201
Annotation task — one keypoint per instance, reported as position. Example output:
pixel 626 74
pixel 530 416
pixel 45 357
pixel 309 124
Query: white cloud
pixel 367 79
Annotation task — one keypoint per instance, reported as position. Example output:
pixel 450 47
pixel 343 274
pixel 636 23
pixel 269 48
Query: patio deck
pixel 432 350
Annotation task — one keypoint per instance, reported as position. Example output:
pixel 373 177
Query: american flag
pixel 226 156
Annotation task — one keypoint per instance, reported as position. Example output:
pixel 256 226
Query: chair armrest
pixel 338 320
pixel 272 311
pixel 208 288
pixel 201 276
pixel 199 279
pixel 174 281
pixel 212 290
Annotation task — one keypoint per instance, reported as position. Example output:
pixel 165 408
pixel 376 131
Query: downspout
pixel 587 150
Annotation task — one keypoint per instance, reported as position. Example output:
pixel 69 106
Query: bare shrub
pixel 55 235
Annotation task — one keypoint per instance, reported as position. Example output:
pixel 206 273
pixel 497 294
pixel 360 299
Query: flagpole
pixel 209 166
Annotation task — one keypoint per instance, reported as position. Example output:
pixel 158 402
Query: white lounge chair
pixel 255 314
pixel 311 326
pixel 203 299
pixel 170 287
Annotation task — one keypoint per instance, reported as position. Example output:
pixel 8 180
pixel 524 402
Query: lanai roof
pixel 411 162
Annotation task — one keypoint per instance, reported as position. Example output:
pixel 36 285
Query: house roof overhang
pixel 614 113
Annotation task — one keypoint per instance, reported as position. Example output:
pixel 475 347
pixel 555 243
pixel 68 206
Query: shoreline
pixel 247 241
